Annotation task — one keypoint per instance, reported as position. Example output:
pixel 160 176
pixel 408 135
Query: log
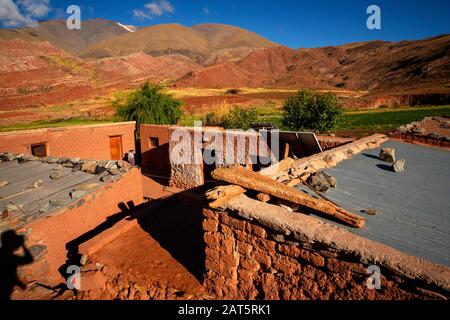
pixel 281 166
pixel 222 194
pixel 254 181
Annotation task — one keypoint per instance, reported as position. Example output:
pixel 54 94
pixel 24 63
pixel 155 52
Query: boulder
pixel 330 179
pixel 56 175
pixel 418 131
pixel 387 154
pixel 318 182
pixel 3 183
pixel 114 170
pixel 36 184
pixel 435 135
pixel 399 166
pixel 370 212
pixel 89 167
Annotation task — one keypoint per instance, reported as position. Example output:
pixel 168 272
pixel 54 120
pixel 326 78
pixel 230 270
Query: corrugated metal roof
pixel 21 203
pixel 413 206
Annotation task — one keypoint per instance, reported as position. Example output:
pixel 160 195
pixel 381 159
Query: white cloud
pixel 35 8
pixel 206 11
pixel 10 15
pixel 23 12
pixel 154 9
pixel 141 15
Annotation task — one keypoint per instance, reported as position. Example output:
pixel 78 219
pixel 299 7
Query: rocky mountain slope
pixel 371 66
pixel 71 41
pixel 197 43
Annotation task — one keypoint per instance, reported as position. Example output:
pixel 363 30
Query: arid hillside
pixel 197 43
pixel 373 66
pixel 36 73
pixel 71 41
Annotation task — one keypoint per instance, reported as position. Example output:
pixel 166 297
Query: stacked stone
pixel 248 260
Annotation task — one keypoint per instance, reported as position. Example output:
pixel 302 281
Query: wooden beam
pixel 254 181
pixel 222 194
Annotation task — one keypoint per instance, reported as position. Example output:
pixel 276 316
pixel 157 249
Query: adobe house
pixel 57 204
pixel 109 141
pixel 379 234
pixel 158 142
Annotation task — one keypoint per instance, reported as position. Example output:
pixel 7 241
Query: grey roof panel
pixel 413 206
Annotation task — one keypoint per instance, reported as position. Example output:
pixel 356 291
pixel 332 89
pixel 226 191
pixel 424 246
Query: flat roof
pixel 29 192
pixel 62 128
pixel 413 206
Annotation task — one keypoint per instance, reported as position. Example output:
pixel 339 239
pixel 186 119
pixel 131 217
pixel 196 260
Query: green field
pixel 52 124
pixel 359 122
pixel 380 120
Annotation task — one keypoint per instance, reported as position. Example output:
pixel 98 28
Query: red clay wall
pixel 421 140
pixel 328 142
pixel 245 260
pixel 56 230
pixel 155 160
pixel 86 142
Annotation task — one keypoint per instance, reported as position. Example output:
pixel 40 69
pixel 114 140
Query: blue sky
pixel 294 23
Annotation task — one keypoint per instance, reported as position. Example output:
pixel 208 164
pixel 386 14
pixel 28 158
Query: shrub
pixel 308 110
pixel 236 118
pixel 150 105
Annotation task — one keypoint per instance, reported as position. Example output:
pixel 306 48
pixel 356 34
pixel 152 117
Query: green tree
pixel 236 118
pixel 150 105
pixel 308 110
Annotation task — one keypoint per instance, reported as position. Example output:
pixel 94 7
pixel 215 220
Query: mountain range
pixel 50 64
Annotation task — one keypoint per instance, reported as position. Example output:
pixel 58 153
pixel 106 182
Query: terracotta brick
pixel 335 265
pixel 210 214
pixel 210 225
pixel 249 264
pixel 238 224
pixel 263 258
pixel 230 260
pixel 267 245
pixel 316 260
pixel 245 275
pixel 211 239
pixel 285 265
pixel 228 245
pixel 256 230
pixel 244 248
pixel 291 251
pixel 243 236
pixel 226 230
pixel 212 253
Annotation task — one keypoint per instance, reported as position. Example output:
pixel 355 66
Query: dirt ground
pixel 161 258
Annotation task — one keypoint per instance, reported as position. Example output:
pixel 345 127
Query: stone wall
pixel 193 174
pixel 87 141
pixel 276 254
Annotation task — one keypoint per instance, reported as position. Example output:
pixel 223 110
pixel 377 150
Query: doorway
pixel 115 147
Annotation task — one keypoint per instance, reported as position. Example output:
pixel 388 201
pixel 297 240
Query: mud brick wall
pixel 247 260
pixel 155 159
pixel 421 139
pixel 186 176
pixel 64 225
pixel 328 142
pixel 88 142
